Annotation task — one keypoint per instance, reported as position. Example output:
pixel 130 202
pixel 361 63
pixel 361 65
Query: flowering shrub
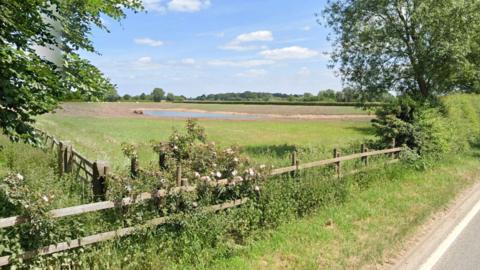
pixel 203 161
pixel 16 198
pixel 202 164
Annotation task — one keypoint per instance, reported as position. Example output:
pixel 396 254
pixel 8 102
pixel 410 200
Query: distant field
pixel 94 132
pixel 124 109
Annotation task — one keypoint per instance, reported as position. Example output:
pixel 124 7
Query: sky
pixel 195 47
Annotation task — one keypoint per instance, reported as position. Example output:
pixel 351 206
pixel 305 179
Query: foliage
pixel 326 96
pixel 32 83
pixel 423 48
pixel 450 124
pixel 157 94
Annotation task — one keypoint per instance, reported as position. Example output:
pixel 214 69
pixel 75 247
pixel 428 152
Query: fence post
pixel 134 167
pixel 61 158
pixel 366 158
pixel 294 163
pixel 393 146
pixel 100 172
pixel 364 149
pixel 179 174
pixel 68 156
pixel 336 154
pixel 162 160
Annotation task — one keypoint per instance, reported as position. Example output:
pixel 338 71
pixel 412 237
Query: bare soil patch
pixel 262 111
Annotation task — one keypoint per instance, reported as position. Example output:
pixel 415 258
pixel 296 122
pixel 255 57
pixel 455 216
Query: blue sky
pixel 195 47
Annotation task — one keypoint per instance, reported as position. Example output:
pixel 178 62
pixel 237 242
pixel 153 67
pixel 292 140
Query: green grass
pixel 362 228
pixel 371 214
pixel 366 230
pixel 266 141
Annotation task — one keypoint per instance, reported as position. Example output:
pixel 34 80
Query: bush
pixel 451 123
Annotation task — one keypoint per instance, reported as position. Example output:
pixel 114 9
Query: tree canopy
pixel 423 48
pixel 158 94
pixel 31 84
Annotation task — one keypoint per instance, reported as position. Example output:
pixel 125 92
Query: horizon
pixel 197 47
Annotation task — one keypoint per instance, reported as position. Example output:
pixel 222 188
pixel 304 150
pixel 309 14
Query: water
pixel 186 114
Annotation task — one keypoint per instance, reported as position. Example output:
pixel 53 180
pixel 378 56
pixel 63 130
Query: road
pixel 464 252
pixel 453 242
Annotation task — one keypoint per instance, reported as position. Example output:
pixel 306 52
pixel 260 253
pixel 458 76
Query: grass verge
pixel 364 231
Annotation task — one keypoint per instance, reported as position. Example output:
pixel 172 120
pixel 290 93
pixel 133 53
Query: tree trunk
pixel 422 85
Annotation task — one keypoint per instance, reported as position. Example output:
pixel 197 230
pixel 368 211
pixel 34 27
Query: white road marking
pixel 433 259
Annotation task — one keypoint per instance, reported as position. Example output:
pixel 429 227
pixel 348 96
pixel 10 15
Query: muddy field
pixel 262 111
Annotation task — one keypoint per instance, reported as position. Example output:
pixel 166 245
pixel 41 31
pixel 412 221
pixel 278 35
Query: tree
pixel 158 94
pixel 170 97
pixel 422 48
pixel 126 97
pixel 31 84
pixel 111 95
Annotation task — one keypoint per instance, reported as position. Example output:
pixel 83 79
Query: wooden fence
pixel 181 186
pixel 71 161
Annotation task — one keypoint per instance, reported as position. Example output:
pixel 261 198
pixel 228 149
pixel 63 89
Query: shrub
pixel 421 127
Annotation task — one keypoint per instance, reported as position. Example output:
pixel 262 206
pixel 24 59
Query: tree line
pixel 346 95
pixel 157 95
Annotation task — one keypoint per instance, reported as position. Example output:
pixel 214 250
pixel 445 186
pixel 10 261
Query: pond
pixel 188 114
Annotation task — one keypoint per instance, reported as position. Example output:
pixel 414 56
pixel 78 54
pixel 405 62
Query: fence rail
pixel 101 237
pixel 99 173
pixel 71 161
pixel 103 205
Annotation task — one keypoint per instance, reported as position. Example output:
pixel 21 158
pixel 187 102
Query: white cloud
pixel 154 5
pixel 175 5
pixel 237 44
pixel 252 73
pixel 243 63
pixel 146 63
pixel 144 60
pixel 304 71
pixel 294 52
pixel 188 61
pixel 306 28
pixel 188 5
pixel 149 42
pixel 254 36
pixel 240 48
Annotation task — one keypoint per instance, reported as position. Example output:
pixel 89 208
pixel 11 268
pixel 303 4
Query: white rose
pixel 218 174
pixel 19 177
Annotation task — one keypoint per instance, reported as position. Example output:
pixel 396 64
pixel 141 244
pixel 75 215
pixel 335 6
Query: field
pixel 310 221
pixel 99 129
pixel 124 109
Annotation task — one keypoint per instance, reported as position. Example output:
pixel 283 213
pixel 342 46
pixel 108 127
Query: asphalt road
pixel 452 242
pixel 464 252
